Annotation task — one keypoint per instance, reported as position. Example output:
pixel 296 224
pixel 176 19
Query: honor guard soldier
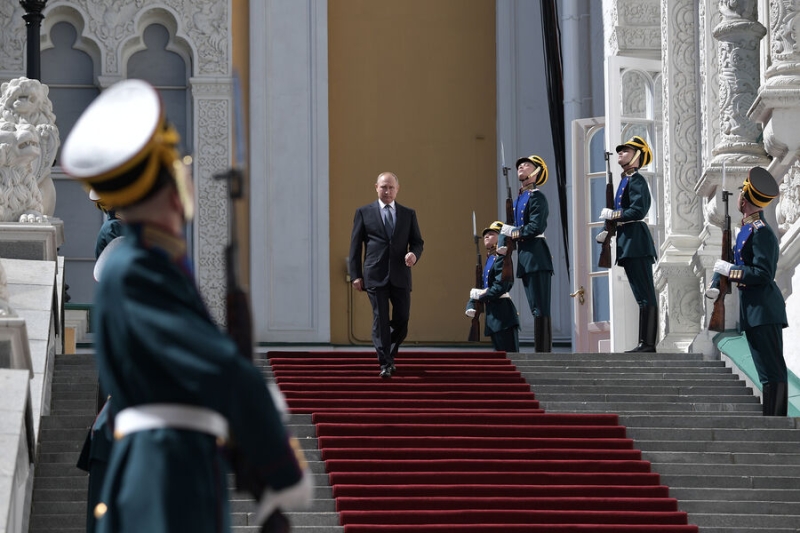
pixel 501 317
pixel 534 260
pixel 636 251
pixel 762 310
pixel 186 405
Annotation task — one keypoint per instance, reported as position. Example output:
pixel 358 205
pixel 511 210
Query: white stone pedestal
pixel 31 241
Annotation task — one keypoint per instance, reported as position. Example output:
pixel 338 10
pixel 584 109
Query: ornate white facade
pixel 731 96
pixel 111 32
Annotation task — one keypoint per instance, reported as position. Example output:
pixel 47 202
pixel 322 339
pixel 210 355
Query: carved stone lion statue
pixel 20 198
pixel 25 101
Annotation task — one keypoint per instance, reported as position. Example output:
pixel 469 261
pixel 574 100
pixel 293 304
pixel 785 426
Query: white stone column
pixel 213 111
pixel 676 283
pixel 738 34
pixel 290 264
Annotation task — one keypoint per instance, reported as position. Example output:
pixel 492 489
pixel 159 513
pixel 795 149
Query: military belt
pixel 170 415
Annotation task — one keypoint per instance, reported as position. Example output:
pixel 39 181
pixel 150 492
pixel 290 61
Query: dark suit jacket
pixel 383 257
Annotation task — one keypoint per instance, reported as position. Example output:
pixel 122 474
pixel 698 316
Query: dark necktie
pixel 387 220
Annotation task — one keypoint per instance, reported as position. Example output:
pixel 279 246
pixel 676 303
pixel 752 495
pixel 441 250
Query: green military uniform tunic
pixel 534 260
pixel 636 251
pixel 500 314
pixel 762 309
pixel 157 344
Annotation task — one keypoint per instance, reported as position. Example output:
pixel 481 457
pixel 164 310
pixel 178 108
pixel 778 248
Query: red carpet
pixel 456 441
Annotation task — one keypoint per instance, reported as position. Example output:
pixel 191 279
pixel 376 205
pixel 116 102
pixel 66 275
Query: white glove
pixel 502 250
pixel 712 293
pixel 722 267
pixel 606 214
pixel 470 313
pixel 506 230
pixel 601 237
pixel 475 294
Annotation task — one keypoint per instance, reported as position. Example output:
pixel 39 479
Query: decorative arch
pixel 74 16
pixel 178 43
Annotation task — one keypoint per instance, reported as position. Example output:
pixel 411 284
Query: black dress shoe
pixel 386 372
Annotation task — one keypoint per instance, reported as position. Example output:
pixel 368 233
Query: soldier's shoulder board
pixel 758 224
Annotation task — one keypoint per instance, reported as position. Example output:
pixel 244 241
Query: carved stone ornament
pixel 111 23
pixel 5 308
pixel 788 210
pixel 784 53
pixel 21 107
pixel 26 101
pixel 739 35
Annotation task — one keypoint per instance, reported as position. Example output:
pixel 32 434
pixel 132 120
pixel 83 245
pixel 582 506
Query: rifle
pixel 237 307
pixel 510 244
pixel 475 327
pixel 610 227
pixel 717 320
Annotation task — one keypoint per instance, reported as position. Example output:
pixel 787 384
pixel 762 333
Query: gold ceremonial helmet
pixel 495 226
pixel 538 162
pixel 639 144
pixel 123 148
pixel 759 188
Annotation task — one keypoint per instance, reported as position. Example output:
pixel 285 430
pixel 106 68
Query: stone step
pixel 547 391
pixel 735 494
pixel 753 522
pixel 633 399
pixel 654 407
pixel 723 458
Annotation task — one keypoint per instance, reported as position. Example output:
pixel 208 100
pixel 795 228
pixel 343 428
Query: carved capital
pixel 788 209
pixel 738 34
pixel 634 28
pixel 784 53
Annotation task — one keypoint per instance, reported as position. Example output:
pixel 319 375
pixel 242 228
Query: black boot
pixel 775 399
pixel 648 328
pixel 542 334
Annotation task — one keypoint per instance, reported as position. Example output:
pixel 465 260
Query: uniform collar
pixel 528 187
pixel 752 218
pixel 153 237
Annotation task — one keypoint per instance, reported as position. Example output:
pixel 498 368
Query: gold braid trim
pixel 160 151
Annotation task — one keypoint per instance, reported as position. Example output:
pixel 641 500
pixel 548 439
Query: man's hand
pixel 502 250
pixel 723 267
pixel 470 313
pixel 411 259
pixel 475 294
pixel 507 230
pixel 358 284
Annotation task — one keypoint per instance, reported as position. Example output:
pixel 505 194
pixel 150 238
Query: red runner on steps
pixel 456 441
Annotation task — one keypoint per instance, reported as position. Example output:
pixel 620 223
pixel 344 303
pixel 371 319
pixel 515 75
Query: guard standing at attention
pixel 187 407
pixel 762 309
pixel 501 316
pixel 534 260
pixel 636 251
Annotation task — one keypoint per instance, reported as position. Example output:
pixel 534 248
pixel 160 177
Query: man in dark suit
pixel 386 235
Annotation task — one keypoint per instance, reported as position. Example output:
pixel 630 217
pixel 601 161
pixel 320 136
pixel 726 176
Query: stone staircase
pixel 59 490
pixel 699 425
